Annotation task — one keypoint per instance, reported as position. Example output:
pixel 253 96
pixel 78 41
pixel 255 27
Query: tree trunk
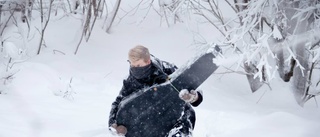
pixel 300 77
pixel 299 26
pixel 255 83
pixel 285 71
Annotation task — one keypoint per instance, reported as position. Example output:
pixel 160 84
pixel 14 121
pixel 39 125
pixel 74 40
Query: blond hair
pixel 139 52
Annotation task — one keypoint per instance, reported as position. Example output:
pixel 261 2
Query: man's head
pixel 140 63
pixel 139 56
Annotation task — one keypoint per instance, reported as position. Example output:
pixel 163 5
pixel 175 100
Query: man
pixel 145 71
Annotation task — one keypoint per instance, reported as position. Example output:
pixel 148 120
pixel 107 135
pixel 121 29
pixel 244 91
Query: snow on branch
pixel 305 10
pixel 276 33
pixel 292 55
pixel 317 55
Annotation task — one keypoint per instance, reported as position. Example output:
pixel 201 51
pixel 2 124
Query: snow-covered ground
pixel 36 102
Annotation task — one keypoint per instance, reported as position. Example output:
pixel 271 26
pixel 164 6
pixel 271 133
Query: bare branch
pixel 114 13
pixel 43 28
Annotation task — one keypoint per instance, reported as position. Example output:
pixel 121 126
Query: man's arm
pixel 114 108
pixel 115 105
pixel 198 101
pixel 194 97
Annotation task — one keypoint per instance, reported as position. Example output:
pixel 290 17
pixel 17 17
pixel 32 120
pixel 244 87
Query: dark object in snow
pixel 154 111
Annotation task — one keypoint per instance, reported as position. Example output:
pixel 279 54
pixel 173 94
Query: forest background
pixel 62 62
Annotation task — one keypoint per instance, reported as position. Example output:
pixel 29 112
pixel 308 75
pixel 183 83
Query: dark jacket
pixel 161 70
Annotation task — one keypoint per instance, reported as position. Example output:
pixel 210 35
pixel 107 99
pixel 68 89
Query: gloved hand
pixel 188 96
pixel 118 130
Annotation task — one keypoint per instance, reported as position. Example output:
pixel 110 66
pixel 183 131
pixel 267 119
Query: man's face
pixel 139 63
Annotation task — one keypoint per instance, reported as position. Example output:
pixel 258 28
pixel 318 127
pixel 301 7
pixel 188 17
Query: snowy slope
pixel 33 104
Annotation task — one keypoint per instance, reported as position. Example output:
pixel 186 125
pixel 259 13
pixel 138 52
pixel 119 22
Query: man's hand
pixel 188 96
pixel 119 130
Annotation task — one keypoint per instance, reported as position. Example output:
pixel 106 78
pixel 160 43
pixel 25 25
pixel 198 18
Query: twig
pixel 10 59
pixel 94 20
pixel 315 99
pixel 233 71
pixel 6 23
pixel 314 45
pixel 261 96
pixel 114 13
pixel 107 75
pixel 45 25
pixel 54 51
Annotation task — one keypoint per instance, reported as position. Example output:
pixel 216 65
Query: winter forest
pixel 263 42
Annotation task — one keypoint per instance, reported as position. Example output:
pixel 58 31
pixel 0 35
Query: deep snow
pixel 33 104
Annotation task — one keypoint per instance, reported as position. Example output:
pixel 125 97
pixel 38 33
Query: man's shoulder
pixel 160 63
pixel 155 60
pixel 164 66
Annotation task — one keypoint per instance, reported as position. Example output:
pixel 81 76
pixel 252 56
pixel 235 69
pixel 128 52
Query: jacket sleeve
pixel 200 98
pixel 115 105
